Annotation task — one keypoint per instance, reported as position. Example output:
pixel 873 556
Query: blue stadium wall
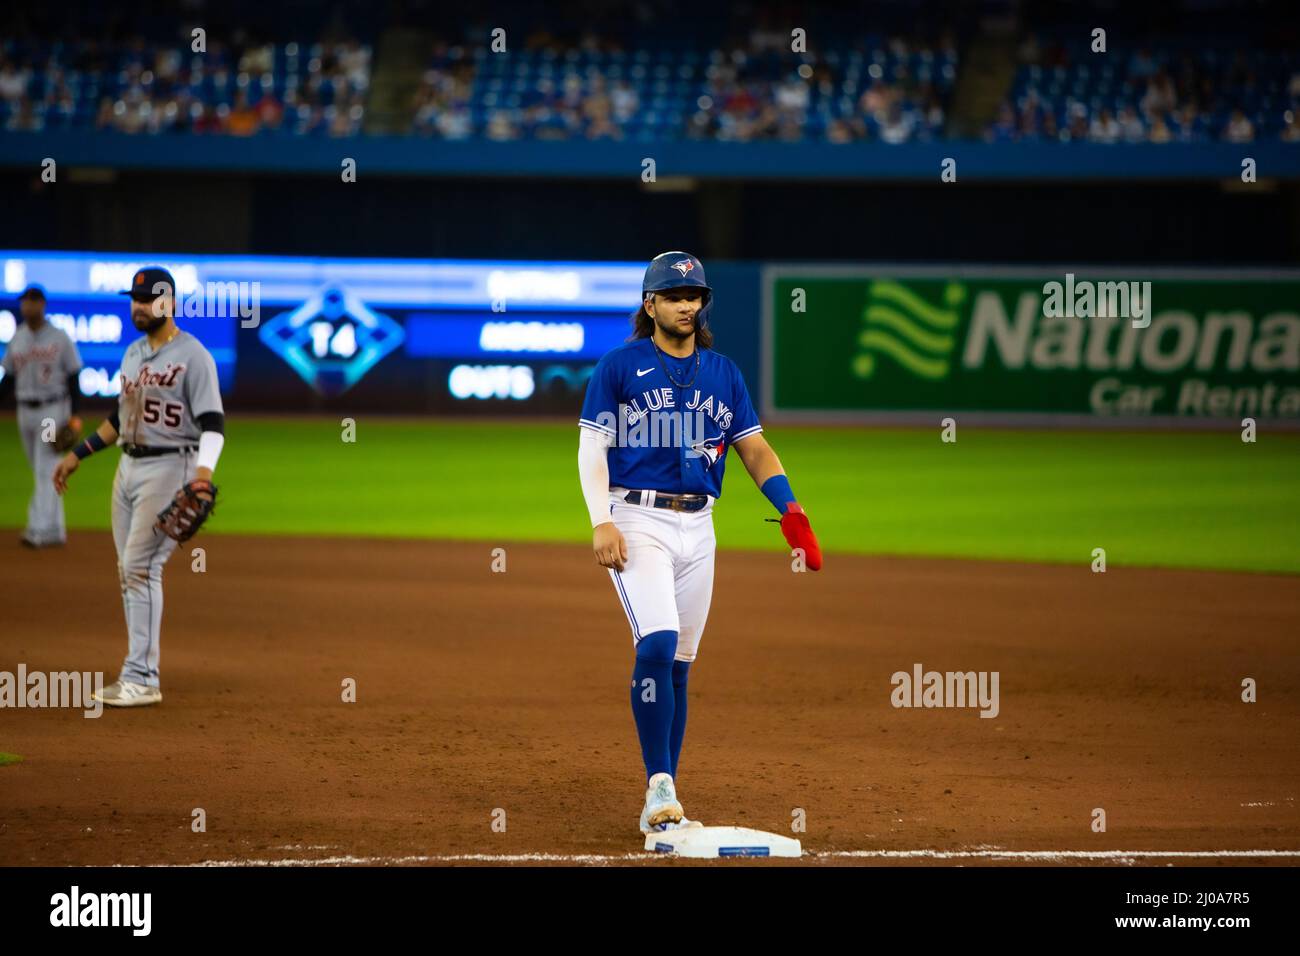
pixel 412 156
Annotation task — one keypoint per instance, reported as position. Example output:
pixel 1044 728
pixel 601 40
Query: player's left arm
pixel 193 503
pixel 759 460
pixel 203 393
pixel 766 470
pixel 746 435
pixel 212 438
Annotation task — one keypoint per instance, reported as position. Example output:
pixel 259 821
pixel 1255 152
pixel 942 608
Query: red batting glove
pixel 799 534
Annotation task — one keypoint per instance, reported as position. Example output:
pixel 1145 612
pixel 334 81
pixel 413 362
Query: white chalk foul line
pixel 1052 854
pixel 581 858
pixel 588 859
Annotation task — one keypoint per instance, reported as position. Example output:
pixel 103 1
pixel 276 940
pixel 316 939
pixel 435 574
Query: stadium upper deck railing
pixel 411 156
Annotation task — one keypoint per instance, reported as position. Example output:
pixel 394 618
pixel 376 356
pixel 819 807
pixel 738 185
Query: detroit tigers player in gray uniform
pixel 170 426
pixel 41 367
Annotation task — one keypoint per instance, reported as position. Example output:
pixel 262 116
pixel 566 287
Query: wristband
pixel 91 445
pixel 777 490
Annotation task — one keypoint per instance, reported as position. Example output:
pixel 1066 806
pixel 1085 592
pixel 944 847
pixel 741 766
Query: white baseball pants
pixel 45 523
pixel 141 489
pixel 667 581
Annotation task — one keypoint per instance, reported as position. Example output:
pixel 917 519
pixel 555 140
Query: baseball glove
pixel 185 514
pixel 66 437
pixel 799 534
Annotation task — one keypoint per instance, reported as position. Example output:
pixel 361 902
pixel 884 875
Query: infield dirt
pixel 480 692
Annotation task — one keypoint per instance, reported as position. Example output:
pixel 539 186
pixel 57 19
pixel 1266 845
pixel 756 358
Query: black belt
pixel 38 402
pixel 153 451
pixel 673 502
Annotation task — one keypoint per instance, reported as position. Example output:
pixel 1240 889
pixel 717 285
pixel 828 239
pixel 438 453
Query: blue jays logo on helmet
pixel 673 270
pixel 676 270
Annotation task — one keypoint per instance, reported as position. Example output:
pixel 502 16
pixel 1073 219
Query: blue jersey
pixel 671 422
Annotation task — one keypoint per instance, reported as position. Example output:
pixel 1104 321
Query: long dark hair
pixel 643 327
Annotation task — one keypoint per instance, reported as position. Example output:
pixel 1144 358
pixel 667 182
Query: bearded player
pixel 658 419
pixel 171 427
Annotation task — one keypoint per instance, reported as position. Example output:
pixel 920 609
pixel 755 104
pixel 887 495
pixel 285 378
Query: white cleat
pixel 662 809
pixel 123 693
pixel 682 824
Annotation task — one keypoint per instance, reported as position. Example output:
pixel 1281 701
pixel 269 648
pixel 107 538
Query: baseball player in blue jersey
pixel 659 416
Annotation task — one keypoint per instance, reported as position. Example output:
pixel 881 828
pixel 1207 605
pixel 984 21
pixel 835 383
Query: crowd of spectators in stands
pixel 240 89
pixel 758 90
pixel 890 91
pixel 1151 97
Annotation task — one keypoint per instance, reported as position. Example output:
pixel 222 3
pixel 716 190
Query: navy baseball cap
pixel 145 282
pixel 35 291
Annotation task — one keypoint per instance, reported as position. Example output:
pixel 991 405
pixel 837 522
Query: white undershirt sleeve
pixel 593 472
pixel 210 445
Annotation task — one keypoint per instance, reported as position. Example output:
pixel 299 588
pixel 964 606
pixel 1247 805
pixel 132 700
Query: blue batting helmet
pixel 677 270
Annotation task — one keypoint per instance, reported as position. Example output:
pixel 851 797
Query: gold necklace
pixel 176 330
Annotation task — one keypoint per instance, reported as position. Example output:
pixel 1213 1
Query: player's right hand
pixel 66 466
pixel 611 550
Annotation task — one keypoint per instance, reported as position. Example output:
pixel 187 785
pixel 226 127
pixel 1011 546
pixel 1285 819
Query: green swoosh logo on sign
pixel 904 297
pixel 900 324
pixel 877 315
pixel 918 364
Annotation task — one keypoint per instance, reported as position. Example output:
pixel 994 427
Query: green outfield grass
pixel 1172 499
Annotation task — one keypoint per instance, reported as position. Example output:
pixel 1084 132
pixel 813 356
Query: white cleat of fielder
pixel 126 694
pixel 682 824
pixel 662 809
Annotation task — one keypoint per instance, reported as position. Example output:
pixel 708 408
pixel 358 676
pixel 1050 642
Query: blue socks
pixel 653 701
pixel 680 671
pixel 659 708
